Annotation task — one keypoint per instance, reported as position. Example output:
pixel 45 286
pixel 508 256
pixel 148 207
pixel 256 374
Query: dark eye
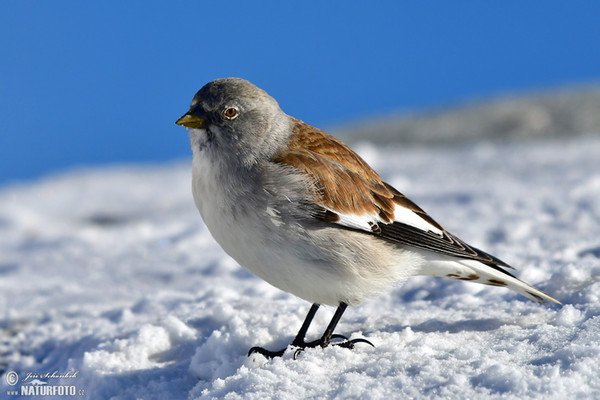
pixel 231 113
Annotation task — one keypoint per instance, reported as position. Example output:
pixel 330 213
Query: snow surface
pixel 111 272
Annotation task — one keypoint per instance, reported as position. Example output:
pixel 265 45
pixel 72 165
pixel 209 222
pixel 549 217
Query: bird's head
pixel 235 118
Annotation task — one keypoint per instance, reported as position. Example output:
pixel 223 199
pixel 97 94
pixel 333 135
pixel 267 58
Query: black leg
pixel 334 321
pixel 300 342
pixel 328 334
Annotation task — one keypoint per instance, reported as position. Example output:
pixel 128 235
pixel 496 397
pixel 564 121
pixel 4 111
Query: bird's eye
pixel 231 113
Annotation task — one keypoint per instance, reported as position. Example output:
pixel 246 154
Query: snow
pixel 110 272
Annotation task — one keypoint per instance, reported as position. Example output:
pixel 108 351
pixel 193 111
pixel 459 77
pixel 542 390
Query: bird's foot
pixel 346 343
pixel 265 352
pixel 300 346
pixel 349 344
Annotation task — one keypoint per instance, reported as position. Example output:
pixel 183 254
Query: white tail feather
pixel 475 271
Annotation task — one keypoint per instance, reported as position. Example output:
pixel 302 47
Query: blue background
pixel 85 83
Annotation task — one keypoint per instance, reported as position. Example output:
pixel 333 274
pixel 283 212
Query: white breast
pixel 323 266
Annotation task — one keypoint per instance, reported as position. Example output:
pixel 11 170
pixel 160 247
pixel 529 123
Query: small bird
pixel 304 212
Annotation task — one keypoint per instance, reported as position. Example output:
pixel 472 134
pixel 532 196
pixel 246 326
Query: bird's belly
pixel 325 266
pixel 246 232
pixel 269 253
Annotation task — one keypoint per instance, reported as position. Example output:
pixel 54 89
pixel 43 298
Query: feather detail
pixel 348 193
pixel 475 271
pixel 345 184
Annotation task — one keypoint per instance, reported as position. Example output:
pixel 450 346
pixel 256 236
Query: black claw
pixel 338 336
pixel 265 352
pixel 297 352
pixel 349 344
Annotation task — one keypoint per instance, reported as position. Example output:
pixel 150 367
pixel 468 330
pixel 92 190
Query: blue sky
pixel 92 83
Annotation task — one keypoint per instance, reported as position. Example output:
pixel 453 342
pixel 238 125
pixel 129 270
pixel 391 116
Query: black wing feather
pixel 447 244
pixel 398 232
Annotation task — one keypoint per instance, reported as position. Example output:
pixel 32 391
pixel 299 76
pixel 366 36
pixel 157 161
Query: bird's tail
pixel 475 271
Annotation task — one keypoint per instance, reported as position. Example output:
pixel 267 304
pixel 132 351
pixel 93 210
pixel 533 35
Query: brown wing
pixel 344 182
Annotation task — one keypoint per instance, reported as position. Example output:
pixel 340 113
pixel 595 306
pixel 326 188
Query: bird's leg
pixel 328 334
pixel 298 340
pixel 301 344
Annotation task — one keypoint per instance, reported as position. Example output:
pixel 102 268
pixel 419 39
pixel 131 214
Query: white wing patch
pixel 408 217
pixel 363 222
pixel 401 215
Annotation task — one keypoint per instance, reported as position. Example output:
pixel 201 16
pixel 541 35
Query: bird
pixel 301 210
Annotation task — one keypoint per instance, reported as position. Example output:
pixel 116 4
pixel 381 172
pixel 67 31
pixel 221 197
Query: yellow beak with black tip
pixel 190 120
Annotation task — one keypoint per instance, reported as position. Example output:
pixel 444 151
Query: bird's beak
pixel 190 120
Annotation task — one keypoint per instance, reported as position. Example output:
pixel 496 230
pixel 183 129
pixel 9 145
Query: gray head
pixel 237 119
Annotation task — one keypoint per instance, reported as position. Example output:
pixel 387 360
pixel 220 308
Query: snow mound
pixel 111 273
